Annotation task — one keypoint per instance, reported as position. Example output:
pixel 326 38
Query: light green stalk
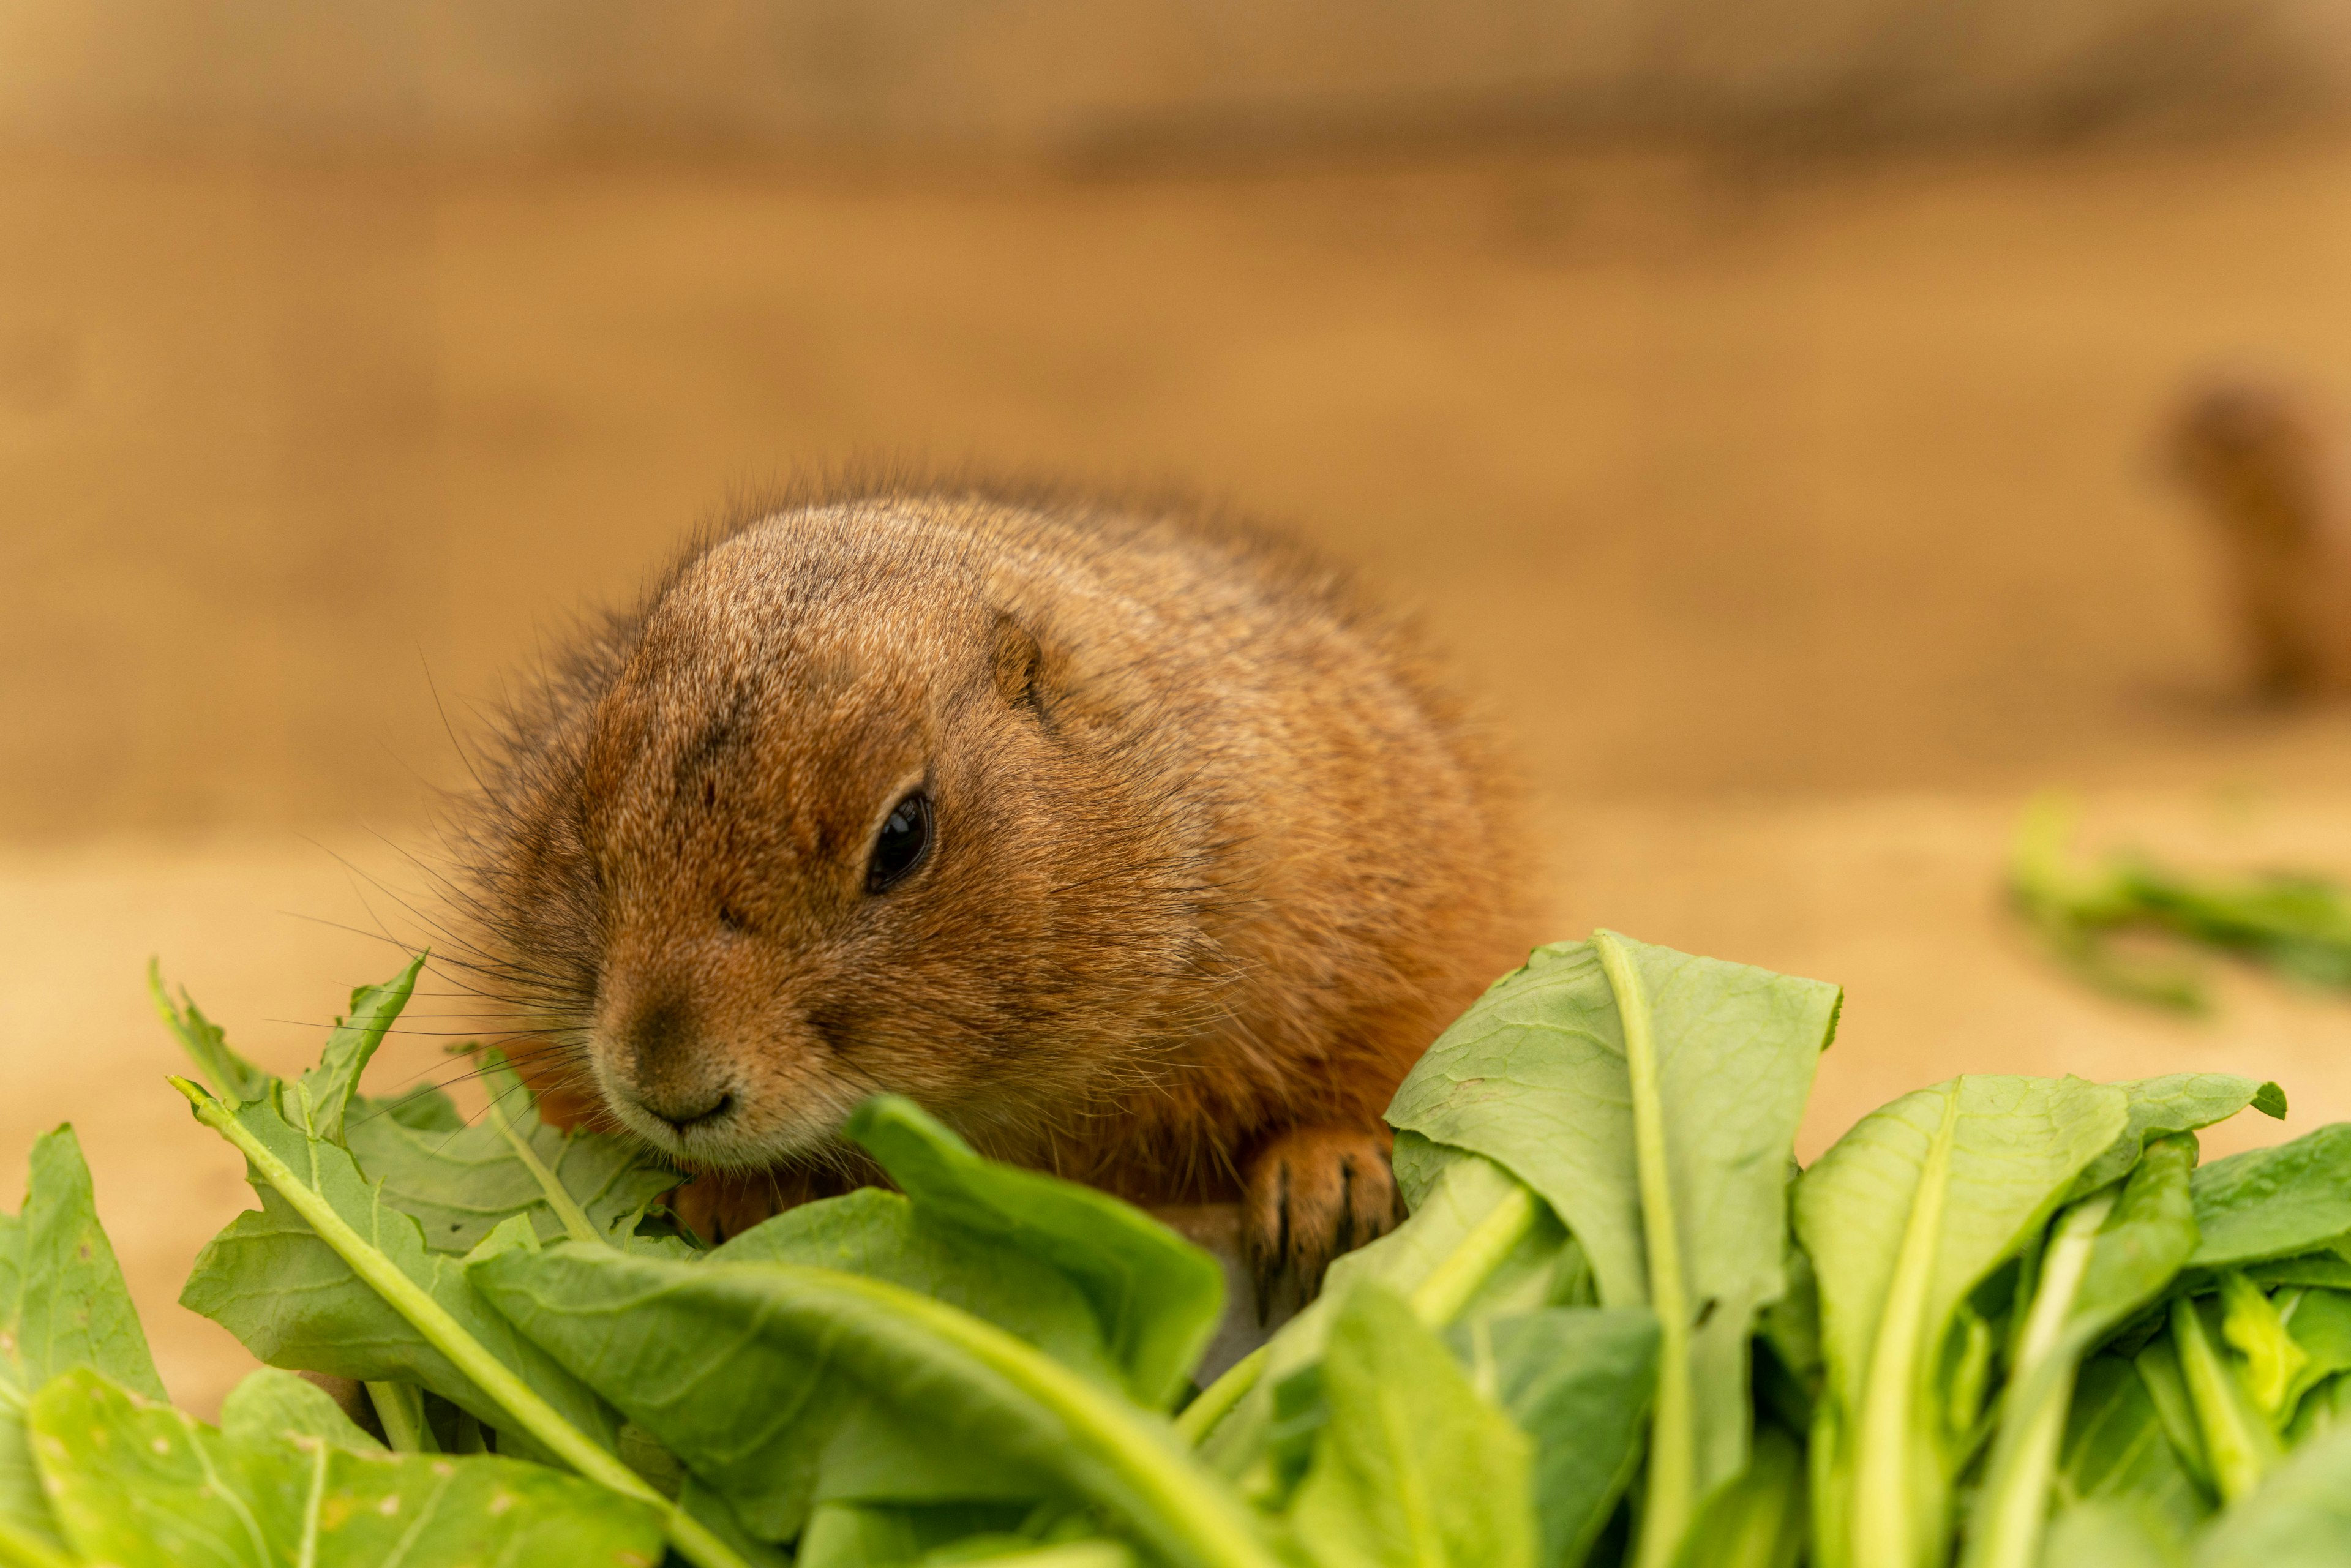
pixel 401 1407
pixel 1437 1300
pixel 2016 1489
pixel 1671 1499
pixel 2238 1443
pixel 445 1333
pixel 19 1548
pixel 1882 1486
pixel 576 1223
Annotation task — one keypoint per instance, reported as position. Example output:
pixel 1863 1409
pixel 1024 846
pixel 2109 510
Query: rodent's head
pixel 2249 448
pixel 831 819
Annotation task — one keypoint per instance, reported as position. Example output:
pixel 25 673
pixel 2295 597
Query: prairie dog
pixel 2271 482
pixel 1129 843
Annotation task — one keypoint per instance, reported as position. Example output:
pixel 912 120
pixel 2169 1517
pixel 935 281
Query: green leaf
pixel 330 1279
pixel 756 1375
pixel 1577 1380
pixel 2117 1450
pixel 2107 1256
pixel 460 1182
pixel 323 1095
pixel 2300 1519
pixel 1903 1217
pixel 1758 1520
pixel 2237 1441
pixel 63 1305
pixel 1159 1297
pixel 1651 1100
pixel 140 1485
pixel 2320 1322
pixel 232 1076
pixel 2180 1103
pixel 1478 1242
pixel 855 1535
pixel 2272 1360
pixel 2110 1535
pixel 293 1300
pixel 2275 1202
pixel 275 1406
pixel 1413 1469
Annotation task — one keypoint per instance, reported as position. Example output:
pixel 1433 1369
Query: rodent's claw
pixel 1313 1193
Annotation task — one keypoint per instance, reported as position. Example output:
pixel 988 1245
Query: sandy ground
pixel 1796 524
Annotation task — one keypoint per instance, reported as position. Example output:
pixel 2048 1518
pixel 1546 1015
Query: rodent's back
pixel 1207 852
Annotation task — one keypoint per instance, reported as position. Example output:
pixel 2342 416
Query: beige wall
pixel 1086 76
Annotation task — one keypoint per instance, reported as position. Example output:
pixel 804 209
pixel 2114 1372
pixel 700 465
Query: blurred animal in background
pixel 2265 464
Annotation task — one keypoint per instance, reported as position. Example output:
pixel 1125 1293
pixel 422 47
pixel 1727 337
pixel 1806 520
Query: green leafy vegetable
pixel 1157 1296
pixel 140 1485
pixel 2277 1202
pixel 759 1375
pixel 1651 1098
pixel 1413 1469
pixel 2109 1254
pixel 1903 1217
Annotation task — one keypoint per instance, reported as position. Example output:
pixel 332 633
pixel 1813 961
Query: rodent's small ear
pixel 1019 664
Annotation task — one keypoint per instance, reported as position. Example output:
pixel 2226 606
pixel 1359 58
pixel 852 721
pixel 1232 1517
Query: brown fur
pixel 1215 857
pixel 2257 457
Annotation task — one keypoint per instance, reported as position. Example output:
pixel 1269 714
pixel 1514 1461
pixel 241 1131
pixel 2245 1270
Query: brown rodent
pixel 2270 481
pixel 1129 843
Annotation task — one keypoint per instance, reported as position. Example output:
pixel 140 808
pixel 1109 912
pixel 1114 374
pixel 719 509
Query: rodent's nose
pixel 681 1113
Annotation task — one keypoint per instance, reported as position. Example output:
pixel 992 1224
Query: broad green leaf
pixel 139 1485
pixel 1413 1469
pixel 2118 1451
pixel 2330 1269
pixel 2275 1202
pixel 752 1372
pixel 2179 1102
pixel 323 1227
pixel 2320 1322
pixel 1159 1297
pixel 1651 1100
pixel 856 1535
pixel 461 1182
pixel 1903 1217
pixel 2301 1518
pixel 294 1301
pixel 2110 1535
pixel 2108 1256
pixel 63 1305
pixel 887 1237
pixel 1576 1381
pixel 276 1406
pixel 1478 1243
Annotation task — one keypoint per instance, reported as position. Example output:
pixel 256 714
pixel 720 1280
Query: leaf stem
pixel 2237 1442
pixel 1214 1403
pixel 1673 1436
pixel 2015 1504
pixel 1882 1484
pixel 1437 1300
pixel 446 1334
pixel 576 1223
pixel 401 1407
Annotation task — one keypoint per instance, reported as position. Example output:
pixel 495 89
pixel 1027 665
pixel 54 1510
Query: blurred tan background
pixel 1762 402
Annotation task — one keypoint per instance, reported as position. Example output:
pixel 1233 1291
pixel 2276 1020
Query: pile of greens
pixel 2294 923
pixel 2004 1321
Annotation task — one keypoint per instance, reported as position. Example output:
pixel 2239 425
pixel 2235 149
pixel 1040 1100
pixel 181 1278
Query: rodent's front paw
pixel 719 1204
pixel 1313 1193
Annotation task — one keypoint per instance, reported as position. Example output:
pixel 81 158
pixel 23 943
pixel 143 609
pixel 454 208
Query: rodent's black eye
pixel 902 845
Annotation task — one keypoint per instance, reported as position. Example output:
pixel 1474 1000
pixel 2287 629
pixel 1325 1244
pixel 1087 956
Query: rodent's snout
pixel 658 1068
